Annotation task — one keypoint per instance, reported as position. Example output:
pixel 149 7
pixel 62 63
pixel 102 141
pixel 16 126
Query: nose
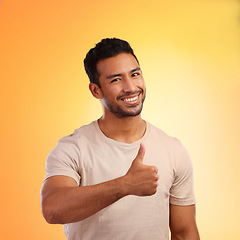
pixel 128 85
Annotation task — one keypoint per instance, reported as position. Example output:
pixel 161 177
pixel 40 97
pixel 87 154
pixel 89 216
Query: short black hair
pixel 108 47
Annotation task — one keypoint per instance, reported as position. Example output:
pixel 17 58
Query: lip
pixel 131 99
pixel 129 95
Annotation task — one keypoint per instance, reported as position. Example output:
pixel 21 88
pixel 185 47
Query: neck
pixel 127 129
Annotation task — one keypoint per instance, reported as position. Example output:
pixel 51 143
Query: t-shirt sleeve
pixel 182 192
pixel 64 160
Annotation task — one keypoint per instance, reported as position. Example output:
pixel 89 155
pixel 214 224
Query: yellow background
pixel 189 52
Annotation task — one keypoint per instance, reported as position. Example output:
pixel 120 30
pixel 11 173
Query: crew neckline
pixel 110 140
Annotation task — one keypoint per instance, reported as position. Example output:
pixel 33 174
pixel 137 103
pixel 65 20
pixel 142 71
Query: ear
pixel 95 90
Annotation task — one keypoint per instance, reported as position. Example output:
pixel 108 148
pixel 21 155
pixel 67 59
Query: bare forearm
pixel 72 204
pixel 64 202
pixel 193 235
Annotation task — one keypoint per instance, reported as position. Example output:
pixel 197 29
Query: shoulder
pixel 70 144
pixel 164 138
pixel 79 133
pixel 65 157
pixel 171 145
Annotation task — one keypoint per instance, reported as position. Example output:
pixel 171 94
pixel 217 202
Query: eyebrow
pixel 120 74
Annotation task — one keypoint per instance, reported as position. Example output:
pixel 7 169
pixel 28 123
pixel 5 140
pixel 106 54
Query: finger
pixel 155 169
pixel 141 152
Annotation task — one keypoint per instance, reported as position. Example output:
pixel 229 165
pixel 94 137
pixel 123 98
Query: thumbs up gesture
pixel 141 179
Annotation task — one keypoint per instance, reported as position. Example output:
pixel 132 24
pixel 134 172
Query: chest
pixel 102 162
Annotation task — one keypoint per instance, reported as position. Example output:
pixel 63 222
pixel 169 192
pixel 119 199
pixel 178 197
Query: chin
pixel 120 113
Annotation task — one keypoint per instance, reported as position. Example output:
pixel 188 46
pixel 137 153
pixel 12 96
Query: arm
pixel 62 201
pixel 182 223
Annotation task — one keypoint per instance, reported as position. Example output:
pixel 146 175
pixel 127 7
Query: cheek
pixel 142 85
pixel 110 96
pixel 112 92
pixel 141 82
pixel 115 91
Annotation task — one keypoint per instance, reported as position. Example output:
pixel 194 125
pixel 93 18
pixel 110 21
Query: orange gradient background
pixel 189 52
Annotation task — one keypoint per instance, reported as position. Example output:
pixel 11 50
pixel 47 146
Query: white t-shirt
pixel 89 157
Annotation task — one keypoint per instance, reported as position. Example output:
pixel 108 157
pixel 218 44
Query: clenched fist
pixel 141 179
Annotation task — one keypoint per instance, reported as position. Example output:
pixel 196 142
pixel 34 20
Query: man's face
pixel 122 85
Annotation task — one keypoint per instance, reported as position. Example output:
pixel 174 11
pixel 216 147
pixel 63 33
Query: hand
pixel 141 179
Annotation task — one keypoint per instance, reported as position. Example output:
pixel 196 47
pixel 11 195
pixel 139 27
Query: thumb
pixel 141 153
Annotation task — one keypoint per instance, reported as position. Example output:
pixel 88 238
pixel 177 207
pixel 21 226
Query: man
pixel 119 177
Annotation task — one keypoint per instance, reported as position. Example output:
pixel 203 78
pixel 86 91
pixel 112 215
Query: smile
pixel 130 99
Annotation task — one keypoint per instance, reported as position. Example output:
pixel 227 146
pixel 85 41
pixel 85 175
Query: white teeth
pixel 130 99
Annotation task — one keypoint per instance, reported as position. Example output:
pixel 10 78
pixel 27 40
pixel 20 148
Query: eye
pixel 135 74
pixel 115 80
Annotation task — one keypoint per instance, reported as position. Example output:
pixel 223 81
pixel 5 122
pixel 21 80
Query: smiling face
pixel 122 91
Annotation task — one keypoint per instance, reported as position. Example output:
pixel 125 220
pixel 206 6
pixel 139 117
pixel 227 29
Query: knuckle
pixel 154 191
